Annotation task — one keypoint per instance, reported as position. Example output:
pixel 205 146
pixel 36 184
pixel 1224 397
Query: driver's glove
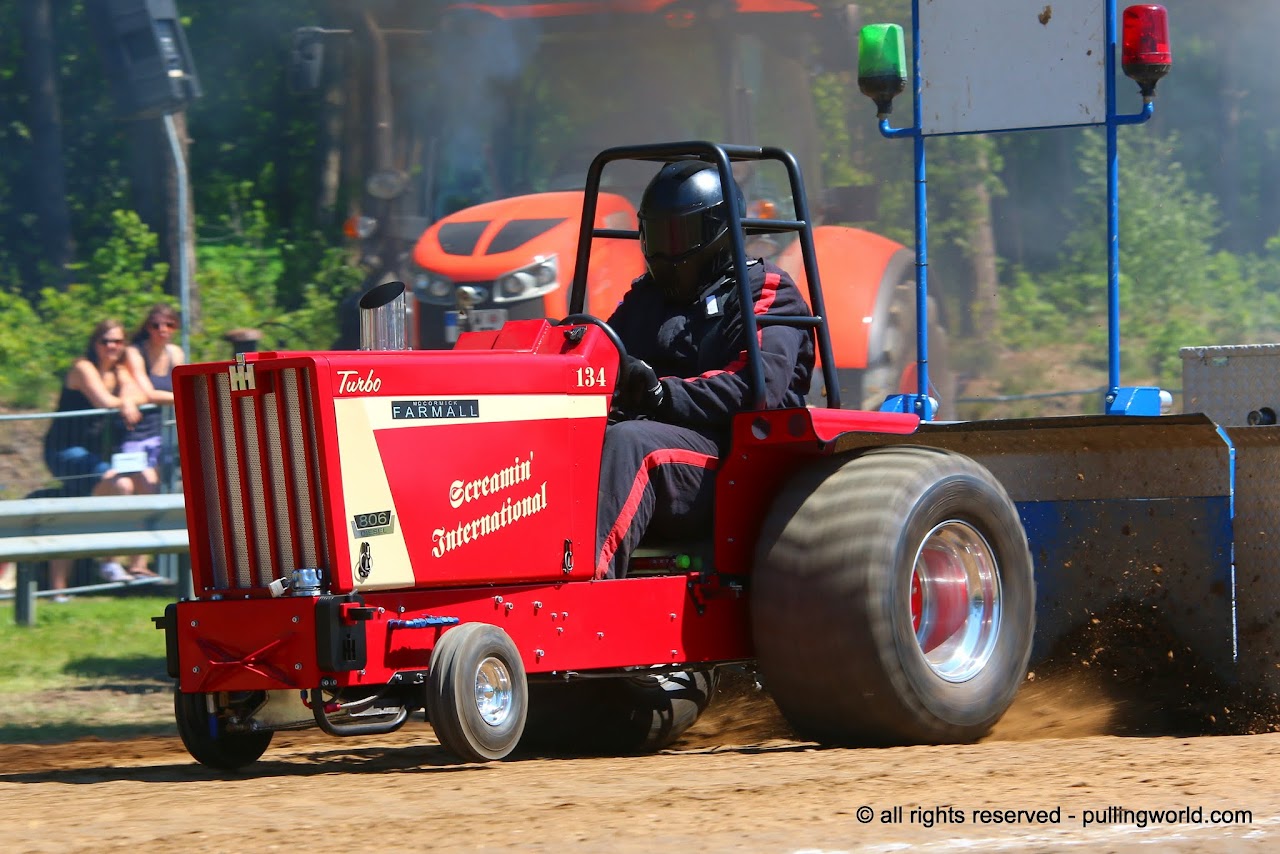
pixel 639 390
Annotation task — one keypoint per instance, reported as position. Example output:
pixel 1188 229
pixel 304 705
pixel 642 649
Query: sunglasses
pixel 110 342
pixel 162 324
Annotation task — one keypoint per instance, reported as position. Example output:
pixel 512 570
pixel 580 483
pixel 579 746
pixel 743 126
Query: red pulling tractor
pixel 381 532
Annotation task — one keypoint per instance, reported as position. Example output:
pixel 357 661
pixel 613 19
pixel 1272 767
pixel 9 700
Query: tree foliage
pixel 239 277
pixel 48 332
pixel 263 262
pixel 1176 288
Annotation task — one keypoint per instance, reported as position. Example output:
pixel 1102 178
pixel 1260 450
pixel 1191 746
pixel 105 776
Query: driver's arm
pixel 714 397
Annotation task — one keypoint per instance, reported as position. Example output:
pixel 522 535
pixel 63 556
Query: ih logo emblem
pixel 241 375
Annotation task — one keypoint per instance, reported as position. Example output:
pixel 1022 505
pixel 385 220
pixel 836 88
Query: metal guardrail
pixel 44 528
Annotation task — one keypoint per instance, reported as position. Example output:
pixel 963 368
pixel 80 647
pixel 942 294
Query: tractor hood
pixel 489 240
pixel 519 255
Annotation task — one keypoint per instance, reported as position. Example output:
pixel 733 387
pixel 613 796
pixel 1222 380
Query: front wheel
pixel 477 695
pixel 204 734
pixel 908 568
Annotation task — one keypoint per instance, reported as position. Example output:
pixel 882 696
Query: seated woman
pixel 78 450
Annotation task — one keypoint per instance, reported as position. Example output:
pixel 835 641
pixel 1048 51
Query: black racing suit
pixel 658 471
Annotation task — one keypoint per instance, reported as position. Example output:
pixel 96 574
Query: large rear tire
pixel 205 736
pixel 614 716
pixel 477 695
pixel 893 599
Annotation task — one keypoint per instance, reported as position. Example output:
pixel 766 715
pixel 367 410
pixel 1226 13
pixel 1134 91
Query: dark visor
pixel 673 236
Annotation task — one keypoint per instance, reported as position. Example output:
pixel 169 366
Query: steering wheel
pixel 583 319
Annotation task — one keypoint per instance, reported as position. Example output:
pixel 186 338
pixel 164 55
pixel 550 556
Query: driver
pixel 686 373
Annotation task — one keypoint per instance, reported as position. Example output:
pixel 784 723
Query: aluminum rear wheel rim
pixel 955 600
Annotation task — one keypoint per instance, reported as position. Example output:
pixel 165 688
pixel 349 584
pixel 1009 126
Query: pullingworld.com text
pixel 949 815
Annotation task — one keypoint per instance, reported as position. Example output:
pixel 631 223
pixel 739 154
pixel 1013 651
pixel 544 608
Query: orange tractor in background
pixel 482 118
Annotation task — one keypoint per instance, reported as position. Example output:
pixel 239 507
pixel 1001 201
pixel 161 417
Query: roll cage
pixel 721 156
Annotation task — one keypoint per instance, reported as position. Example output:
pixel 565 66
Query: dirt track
pixel 737 781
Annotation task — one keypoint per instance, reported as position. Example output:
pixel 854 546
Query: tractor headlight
pixel 433 288
pixel 540 277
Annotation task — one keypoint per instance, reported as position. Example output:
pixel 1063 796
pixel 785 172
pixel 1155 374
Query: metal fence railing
pixel 45 528
pixel 39 529
pixel 53 507
pixel 63 454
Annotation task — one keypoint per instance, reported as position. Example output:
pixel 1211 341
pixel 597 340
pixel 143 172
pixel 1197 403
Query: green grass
pixel 89 667
pixel 86 638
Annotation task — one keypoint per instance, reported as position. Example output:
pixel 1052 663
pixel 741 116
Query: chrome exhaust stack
pixel 384 313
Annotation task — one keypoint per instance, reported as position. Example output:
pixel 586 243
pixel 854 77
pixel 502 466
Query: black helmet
pixel 684 228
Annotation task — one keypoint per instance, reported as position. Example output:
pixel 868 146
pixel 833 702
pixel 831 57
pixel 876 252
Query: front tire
pixel 908 569
pixel 205 736
pixel 477 694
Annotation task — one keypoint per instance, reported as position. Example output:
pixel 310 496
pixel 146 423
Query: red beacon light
pixel 1144 53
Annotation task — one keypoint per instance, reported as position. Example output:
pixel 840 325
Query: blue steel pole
pixel 1116 399
pixel 919 402
pixel 1113 213
pixel 922 407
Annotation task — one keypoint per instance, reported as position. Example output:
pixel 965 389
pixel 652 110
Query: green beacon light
pixel 1144 52
pixel 882 69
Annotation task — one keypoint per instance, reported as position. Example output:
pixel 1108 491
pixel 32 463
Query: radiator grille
pixel 260 471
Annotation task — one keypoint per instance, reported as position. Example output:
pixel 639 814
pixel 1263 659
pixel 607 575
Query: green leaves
pixel 42 336
pixel 239 279
pixel 1176 288
pixel 252 276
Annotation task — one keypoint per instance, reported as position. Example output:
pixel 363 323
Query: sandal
pixel 112 571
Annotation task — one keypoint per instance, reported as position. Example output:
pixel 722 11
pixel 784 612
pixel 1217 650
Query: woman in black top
pixel 78 450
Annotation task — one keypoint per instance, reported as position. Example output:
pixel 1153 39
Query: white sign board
pixel 988 65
